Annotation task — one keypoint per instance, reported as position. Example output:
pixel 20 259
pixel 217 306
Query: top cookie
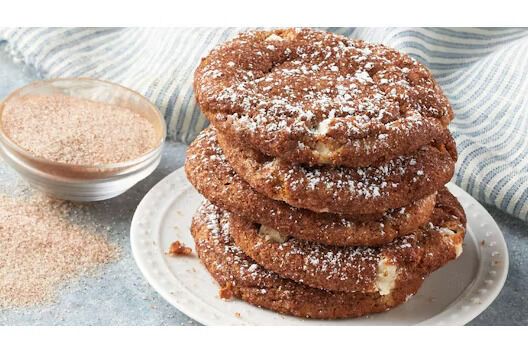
pixel 320 98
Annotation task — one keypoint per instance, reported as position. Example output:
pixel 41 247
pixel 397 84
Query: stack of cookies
pixel 324 173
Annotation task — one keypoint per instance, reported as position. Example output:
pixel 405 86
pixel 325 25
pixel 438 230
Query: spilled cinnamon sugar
pixel 42 249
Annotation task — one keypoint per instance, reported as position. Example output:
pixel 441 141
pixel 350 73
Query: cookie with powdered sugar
pixel 208 170
pixel 320 98
pixel 363 190
pixel 239 276
pixel 358 269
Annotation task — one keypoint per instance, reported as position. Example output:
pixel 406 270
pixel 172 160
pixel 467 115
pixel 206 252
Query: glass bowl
pixel 84 183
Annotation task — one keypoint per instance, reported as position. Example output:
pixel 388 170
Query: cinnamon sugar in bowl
pixel 80 139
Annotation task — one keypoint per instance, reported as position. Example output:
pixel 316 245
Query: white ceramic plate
pixel 453 295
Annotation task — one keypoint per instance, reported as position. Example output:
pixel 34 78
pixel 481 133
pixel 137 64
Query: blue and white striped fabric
pixel 483 72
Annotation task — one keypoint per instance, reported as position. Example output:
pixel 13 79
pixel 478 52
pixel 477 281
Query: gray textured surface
pixel 120 296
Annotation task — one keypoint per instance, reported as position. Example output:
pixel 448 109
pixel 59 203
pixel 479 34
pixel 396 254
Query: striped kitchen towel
pixel 484 72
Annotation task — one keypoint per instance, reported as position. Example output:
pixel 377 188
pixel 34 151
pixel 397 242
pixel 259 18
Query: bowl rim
pixel 9 143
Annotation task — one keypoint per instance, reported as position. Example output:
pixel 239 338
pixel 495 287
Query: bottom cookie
pixel 239 276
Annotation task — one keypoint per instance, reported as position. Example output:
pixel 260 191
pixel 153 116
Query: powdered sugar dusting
pixel 297 83
pixel 213 176
pixel 217 221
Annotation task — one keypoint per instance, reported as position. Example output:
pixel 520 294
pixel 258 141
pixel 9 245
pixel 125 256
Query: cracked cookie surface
pixel 359 269
pixel 208 170
pixel 319 98
pixel 356 191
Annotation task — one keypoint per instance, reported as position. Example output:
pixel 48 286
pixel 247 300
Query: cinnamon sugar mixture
pixel 41 249
pixel 77 131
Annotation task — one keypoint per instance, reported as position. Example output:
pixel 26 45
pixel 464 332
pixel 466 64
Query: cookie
pixel 208 171
pixel 358 269
pixel 364 190
pixel 241 277
pixel 320 98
